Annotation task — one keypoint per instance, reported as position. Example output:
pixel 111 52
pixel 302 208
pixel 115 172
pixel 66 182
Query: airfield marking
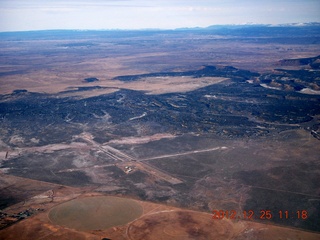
pixel 185 153
pixel 117 155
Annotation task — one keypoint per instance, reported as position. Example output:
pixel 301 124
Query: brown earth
pixel 65 69
pixel 157 221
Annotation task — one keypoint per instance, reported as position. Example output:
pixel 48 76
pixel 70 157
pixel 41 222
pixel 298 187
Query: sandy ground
pixel 160 85
pixel 66 69
pixel 156 85
pixel 141 140
pixel 157 221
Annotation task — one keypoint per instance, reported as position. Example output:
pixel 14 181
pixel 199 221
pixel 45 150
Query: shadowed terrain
pixel 216 119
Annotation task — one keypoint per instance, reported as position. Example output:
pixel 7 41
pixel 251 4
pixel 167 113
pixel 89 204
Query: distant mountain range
pixel 235 26
pixel 248 26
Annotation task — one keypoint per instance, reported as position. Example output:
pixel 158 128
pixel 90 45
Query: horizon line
pixel 304 24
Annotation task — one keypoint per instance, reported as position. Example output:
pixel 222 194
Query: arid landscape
pixel 209 133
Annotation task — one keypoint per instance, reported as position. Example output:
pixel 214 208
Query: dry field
pixel 57 65
pixel 119 156
pixel 95 213
pixel 156 222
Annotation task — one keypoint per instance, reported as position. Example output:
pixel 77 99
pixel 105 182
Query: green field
pixel 94 213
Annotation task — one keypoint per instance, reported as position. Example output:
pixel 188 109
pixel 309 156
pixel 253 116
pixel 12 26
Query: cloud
pixel 107 14
pixel 38 4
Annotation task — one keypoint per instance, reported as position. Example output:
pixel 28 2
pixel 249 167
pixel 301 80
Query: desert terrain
pixel 64 213
pixel 160 134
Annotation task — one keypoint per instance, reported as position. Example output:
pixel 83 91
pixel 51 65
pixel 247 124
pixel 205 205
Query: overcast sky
pixel 17 15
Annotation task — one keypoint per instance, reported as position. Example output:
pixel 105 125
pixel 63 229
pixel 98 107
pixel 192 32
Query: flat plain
pixel 184 123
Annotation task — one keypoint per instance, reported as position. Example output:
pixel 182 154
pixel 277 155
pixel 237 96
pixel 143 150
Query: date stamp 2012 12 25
pixel 263 214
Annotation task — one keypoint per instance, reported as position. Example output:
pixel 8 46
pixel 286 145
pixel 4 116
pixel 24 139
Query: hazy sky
pixel 136 14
